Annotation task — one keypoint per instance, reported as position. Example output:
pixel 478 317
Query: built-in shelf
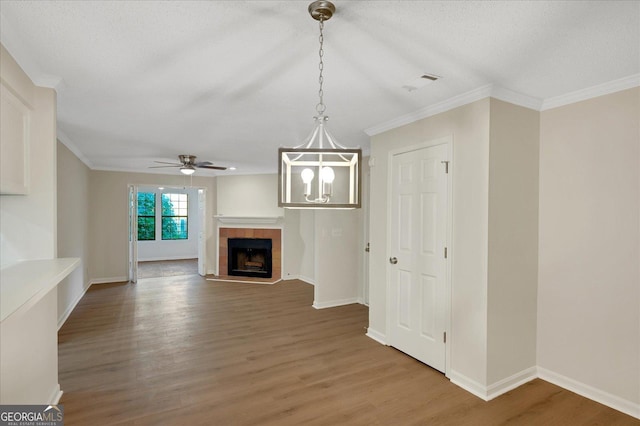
pixel 248 219
pixel 24 283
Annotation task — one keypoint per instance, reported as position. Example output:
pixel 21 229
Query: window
pixel 146 216
pixel 175 219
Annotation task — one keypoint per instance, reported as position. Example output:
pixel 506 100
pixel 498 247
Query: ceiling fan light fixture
pixel 187 170
pixel 320 173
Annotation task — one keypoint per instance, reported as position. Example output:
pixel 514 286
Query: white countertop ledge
pixel 24 283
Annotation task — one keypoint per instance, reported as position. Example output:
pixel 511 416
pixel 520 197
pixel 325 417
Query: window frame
pixel 152 216
pixel 174 216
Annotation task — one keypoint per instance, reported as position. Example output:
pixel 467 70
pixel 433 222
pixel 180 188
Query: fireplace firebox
pixel 249 257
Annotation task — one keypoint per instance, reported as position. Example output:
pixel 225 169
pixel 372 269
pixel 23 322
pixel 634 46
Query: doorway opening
pixel 167 231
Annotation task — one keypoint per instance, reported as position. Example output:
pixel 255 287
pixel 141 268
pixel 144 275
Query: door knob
pixel 393 260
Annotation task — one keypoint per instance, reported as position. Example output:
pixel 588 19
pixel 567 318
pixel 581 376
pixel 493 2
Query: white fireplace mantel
pixel 244 220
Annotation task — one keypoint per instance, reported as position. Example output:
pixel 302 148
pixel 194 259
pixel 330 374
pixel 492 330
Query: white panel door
pixel 418 305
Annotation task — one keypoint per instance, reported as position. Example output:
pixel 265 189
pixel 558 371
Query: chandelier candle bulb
pixel 327 175
pixel 307 178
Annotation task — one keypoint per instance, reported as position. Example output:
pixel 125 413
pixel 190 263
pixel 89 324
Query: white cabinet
pixel 15 125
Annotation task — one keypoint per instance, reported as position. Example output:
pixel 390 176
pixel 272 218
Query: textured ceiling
pixel 231 81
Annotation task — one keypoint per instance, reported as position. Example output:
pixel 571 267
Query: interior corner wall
pixel 28 222
pixel 73 227
pixel 588 286
pixel 307 254
pixel 469 127
pixel 109 217
pixel 363 231
pixel 513 242
pixel 336 257
pixel 292 245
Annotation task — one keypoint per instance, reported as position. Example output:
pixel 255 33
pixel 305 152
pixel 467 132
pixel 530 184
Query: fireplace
pixel 250 257
pixel 224 261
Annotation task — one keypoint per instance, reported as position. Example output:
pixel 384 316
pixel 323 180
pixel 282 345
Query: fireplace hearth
pixel 250 257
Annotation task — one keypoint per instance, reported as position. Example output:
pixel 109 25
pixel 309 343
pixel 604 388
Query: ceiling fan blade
pixel 164 162
pixel 203 163
pixel 162 167
pixel 212 167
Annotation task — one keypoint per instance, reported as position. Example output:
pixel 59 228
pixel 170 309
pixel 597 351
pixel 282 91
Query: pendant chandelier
pixel 320 173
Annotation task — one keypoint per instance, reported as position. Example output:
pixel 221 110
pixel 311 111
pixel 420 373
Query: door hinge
pixel 446 166
pixel 444 337
pixel 445 252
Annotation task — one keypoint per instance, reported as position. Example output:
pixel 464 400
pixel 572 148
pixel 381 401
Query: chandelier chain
pixel 320 108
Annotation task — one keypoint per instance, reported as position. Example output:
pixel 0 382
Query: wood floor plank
pixel 183 350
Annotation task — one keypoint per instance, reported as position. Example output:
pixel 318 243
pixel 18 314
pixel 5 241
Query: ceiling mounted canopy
pixel 319 173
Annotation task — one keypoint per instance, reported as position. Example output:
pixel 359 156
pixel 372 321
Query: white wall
pixel 292 245
pixel 160 249
pixel 307 250
pixel 109 217
pixel 249 195
pixel 469 127
pixel 588 289
pixel 513 242
pixel 73 227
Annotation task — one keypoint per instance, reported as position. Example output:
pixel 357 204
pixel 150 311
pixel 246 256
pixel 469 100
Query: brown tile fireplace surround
pixel 276 251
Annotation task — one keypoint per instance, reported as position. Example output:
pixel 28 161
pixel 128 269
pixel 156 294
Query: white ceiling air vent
pixel 419 82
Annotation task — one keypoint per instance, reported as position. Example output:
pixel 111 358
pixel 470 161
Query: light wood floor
pixel 186 351
pixel 167 268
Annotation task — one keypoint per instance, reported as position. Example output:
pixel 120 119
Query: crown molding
pixel 592 92
pixel 510 96
pixel 440 107
pixel 482 92
pixel 516 98
pixel 66 141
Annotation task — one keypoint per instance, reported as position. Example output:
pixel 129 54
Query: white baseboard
pixel 468 384
pixel 299 278
pixel 110 280
pixel 487 393
pixel 54 399
pixel 512 382
pixel 71 307
pixel 307 280
pixel 492 391
pixel 623 405
pixel 334 303
pixel 376 335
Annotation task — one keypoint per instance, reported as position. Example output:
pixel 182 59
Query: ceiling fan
pixel 188 164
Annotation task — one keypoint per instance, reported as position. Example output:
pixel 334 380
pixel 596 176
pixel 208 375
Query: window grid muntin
pixel 175 209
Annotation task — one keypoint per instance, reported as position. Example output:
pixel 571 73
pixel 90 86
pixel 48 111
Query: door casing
pixel 448 140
